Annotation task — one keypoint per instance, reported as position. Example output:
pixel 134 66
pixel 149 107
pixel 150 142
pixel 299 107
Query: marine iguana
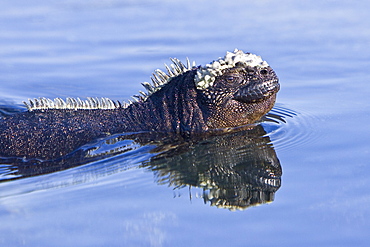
pixel 188 100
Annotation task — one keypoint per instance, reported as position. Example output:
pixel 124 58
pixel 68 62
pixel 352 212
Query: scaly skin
pixel 239 96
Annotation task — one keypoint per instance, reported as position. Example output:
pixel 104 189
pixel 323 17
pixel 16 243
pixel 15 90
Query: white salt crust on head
pixel 206 75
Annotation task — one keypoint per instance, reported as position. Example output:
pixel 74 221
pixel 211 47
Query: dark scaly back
pixel 54 128
pixel 51 133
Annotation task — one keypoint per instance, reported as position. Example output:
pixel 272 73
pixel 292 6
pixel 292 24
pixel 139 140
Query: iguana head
pixel 236 90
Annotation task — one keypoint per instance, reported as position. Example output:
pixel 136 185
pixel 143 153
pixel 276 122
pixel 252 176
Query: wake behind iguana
pixel 187 100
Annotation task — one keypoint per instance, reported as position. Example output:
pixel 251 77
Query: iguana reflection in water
pixel 235 170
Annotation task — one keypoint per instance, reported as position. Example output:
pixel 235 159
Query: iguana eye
pixel 231 79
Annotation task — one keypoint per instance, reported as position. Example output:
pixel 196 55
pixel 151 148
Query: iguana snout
pixel 257 92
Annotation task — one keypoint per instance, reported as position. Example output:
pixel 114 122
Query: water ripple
pixel 288 128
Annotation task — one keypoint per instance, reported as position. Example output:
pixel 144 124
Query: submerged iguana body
pixel 234 91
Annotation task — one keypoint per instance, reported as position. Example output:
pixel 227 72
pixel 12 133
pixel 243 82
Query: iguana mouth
pixel 257 92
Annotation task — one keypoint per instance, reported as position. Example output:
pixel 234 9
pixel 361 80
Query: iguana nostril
pixel 264 72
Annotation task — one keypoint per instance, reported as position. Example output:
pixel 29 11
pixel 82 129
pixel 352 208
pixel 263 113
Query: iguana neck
pixel 171 109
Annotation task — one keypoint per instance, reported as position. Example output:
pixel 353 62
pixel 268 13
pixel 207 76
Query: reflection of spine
pixel 236 171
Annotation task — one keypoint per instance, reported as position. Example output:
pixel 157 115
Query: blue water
pixel 321 53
